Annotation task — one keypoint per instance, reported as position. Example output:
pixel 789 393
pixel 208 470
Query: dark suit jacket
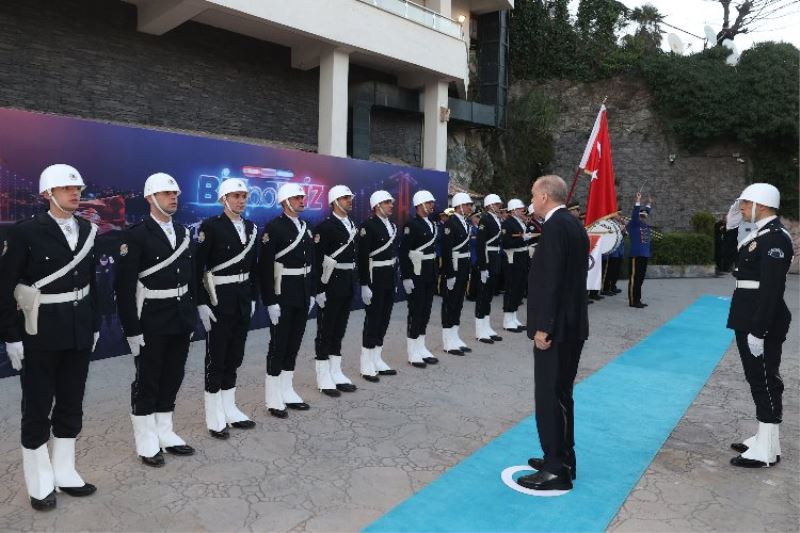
pixel 296 291
pixel 557 280
pixel 329 236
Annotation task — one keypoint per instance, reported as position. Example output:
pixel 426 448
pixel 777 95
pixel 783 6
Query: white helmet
pixel 461 198
pixel 60 175
pixel 337 192
pixel 762 193
pixel 288 190
pixel 378 197
pixel 492 199
pixel 515 203
pixel 231 185
pixel 420 197
pixel 160 182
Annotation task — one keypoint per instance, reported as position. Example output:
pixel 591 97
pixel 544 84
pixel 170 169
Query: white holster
pixel 416 261
pixel 28 302
pixel 211 287
pixel 328 266
pixel 140 295
pixel 279 271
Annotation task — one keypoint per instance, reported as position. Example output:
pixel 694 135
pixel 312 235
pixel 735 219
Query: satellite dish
pixel 675 43
pixel 733 58
pixel 711 35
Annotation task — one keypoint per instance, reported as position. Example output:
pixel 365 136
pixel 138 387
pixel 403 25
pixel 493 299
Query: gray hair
pixel 554 186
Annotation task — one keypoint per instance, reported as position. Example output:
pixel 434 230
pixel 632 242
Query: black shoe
pixel 430 360
pixel 298 406
pixel 496 338
pixel 616 290
pixel 454 352
pixel 751 463
pixel 222 435
pixel 373 379
pixel 485 340
pixel 596 297
pixel 589 302
pixel 183 449
pixel 278 413
pixel 243 424
pixel 78 492
pixel 346 387
pixel 333 393
pixel 638 305
pixel 45 504
pixel 513 330
pixel 418 365
pixel 607 293
pixel 466 349
pixel 537 463
pixel 739 447
pixel 545 481
pixel 157 461
pixel 390 372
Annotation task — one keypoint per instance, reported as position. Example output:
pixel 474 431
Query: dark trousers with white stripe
pixel 331 327
pixel 159 373
pixel 764 377
pixel 636 271
pixel 225 350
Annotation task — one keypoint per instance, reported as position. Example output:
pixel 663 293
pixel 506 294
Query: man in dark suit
pixel 558 323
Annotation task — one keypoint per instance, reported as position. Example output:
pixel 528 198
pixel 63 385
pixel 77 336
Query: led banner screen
pixel 115 160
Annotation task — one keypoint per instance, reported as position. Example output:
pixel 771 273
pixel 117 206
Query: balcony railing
pixel 421 15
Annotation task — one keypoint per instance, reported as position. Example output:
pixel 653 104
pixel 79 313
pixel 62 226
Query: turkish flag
pixel 596 162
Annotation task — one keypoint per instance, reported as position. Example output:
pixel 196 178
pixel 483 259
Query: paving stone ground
pixel 347 461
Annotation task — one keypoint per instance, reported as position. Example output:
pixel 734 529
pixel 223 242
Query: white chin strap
pixel 337 204
pixel 53 198
pixel 289 206
pixel 383 214
pixel 753 213
pixel 229 208
pixel 160 209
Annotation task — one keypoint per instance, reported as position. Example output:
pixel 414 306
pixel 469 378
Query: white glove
pixel 310 303
pixel 16 353
pixel 408 285
pixel 321 299
pixel 252 308
pixel 94 343
pixel 366 294
pixel 484 276
pixel 451 283
pixel 206 316
pixel 734 217
pixel 136 342
pixel 274 311
pixel 756 345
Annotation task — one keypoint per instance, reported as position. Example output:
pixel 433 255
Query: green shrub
pixel 683 249
pixel 703 222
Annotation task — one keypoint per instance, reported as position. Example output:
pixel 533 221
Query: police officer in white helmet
pixel 760 317
pixel 514 239
pixel 377 268
pixel 489 265
pixel 47 272
pixel 155 290
pixel 226 275
pixel 334 275
pixel 455 262
pixel 286 262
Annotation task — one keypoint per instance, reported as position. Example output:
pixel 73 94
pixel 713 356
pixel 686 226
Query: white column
pixel 332 133
pixel 443 7
pixel 434 149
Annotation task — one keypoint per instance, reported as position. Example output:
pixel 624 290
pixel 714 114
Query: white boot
pixel 166 435
pixel 457 338
pixel 449 344
pixel 272 393
pixel 508 321
pixel 232 412
pixel 480 330
pixel 489 330
pixel 414 356
pixel 324 378
pixel 215 413
pixel 38 472
pixel 64 464
pixel 424 351
pixel 336 371
pixel 764 447
pixel 516 320
pixel 776 441
pixel 287 390
pixel 379 363
pixel 367 363
pixel 145 435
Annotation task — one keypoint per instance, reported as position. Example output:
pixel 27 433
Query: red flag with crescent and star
pixel 597 163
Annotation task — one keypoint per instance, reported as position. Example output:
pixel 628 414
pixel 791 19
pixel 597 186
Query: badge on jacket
pixel 752 246
pixel 265 238
pixel 123 250
pixel 201 237
pixel 775 253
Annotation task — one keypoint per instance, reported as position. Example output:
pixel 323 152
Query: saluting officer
pixel 455 268
pixel 377 260
pixel 286 260
pixel 226 275
pixel 514 239
pixel 489 264
pixel 47 271
pixel 760 317
pixel 639 232
pixel 156 301
pixel 418 271
pixel 334 273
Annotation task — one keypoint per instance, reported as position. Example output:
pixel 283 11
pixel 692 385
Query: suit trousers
pixel 47 376
pixel 453 301
pixel 611 273
pixel 764 377
pixel 331 327
pixel 419 303
pixel 637 270
pixel 377 315
pixel 516 281
pixel 285 339
pixel 159 373
pixel 483 301
pixel 225 350
pixel 554 377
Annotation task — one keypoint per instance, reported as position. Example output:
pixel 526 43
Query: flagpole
pixel 578 170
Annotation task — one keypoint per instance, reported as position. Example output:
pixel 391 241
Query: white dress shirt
pixel 69 227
